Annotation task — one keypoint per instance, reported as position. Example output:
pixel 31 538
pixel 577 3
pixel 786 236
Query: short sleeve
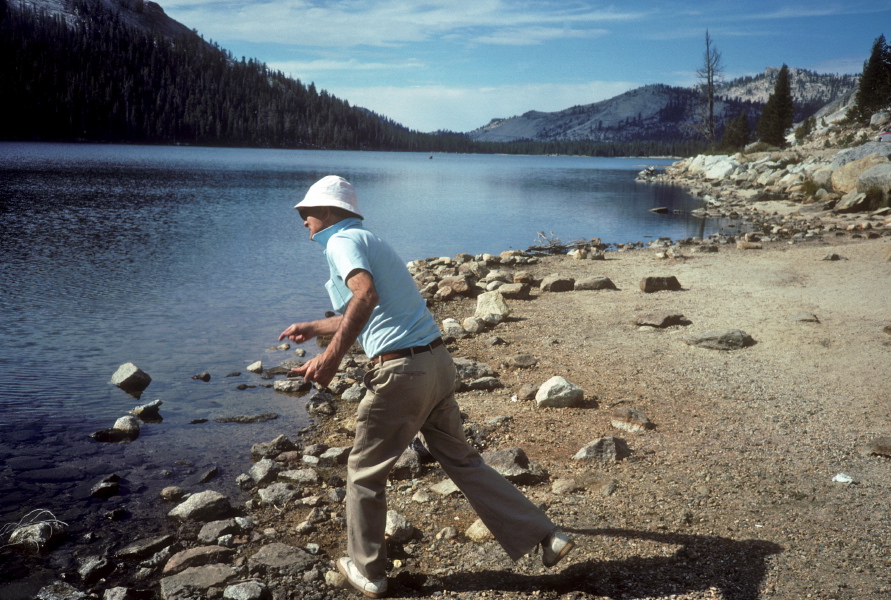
pixel 347 255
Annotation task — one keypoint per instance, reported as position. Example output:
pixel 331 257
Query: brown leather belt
pixel 379 359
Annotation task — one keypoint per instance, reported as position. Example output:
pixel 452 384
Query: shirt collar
pixel 324 235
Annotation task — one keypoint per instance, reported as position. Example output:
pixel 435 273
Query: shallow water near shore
pixel 185 260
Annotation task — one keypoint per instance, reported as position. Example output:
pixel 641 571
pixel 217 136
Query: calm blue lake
pixel 184 260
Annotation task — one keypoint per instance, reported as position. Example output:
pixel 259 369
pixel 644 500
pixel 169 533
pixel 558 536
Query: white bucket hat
pixel 331 191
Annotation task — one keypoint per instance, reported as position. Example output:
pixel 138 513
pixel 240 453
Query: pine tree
pixel 777 115
pixel 874 92
pixel 737 134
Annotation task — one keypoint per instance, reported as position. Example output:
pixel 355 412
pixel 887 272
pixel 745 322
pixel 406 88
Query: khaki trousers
pixel 409 395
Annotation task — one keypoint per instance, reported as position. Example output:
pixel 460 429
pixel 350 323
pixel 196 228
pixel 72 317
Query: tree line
pixel 99 79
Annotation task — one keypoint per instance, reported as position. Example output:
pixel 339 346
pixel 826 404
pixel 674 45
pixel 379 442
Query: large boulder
pixel 846 156
pixel 876 178
pixel 846 177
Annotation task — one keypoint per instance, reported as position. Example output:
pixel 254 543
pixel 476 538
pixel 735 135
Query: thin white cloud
pixel 435 107
pixel 529 36
pixel 306 69
pixel 390 22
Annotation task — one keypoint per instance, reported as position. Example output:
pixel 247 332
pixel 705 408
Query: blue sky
pixel 456 64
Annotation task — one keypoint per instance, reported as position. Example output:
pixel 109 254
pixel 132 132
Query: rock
pixel 398 529
pixel 877 177
pixel 469 369
pixel 451 327
pixel 280 559
pixel 274 448
pixel 335 580
pixel 121 593
pixel 60 591
pixel 408 465
pixel 37 537
pixel 264 471
pixel 859 152
pixel 520 361
pixel 212 531
pixel 474 325
pixel 491 308
pixel 105 489
pixel 195 582
pixel 301 476
pixel 877 447
pixel 514 291
pixel 445 487
pixel 832 256
pixel 129 425
pixel 256 367
pixel 148 411
pixel 335 456
pixel 565 485
pixel 557 283
pixel 628 419
pixel 278 494
pixel 459 284
pixel 605 449
pixel 292 385
pixel 142 549
pixel 478 532
pixel 247 419
pixel 652 284
pixel 557 392
pixel 852 201
pixel 172 493
pixel 595 283
pixel 93 568
pixel 746 245
pixel 354 393
pixel 844 178
pixel 209 505
pixel 205 376
pixel 515 466
pixel 661 320
pixel 527 392
pixel 804 317
pixel 722 339
pixel 197 557
pixel 486 384
pixel 131 378
pixel 246 590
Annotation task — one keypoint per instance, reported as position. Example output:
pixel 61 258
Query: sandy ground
pixel 731 495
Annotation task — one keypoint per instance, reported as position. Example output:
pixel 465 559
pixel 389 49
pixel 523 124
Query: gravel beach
pixel 731 494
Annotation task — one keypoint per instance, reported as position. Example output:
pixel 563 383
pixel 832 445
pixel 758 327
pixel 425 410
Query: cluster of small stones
pixel 832 190
pixel 248 552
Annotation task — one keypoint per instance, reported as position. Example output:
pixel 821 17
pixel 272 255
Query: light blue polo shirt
pixel 400 319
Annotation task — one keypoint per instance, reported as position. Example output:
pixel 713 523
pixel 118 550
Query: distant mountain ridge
pixel 661 112
pixel 142 14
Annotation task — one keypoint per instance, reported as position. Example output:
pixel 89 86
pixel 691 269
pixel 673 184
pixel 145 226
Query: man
pixel 409 390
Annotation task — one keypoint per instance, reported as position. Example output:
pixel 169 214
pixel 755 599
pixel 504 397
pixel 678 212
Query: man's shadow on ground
pixel 736 568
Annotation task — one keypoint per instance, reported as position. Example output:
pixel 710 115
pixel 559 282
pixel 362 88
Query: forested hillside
pixel 96 78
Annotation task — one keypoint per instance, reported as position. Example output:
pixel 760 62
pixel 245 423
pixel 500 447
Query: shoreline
pixel 733 453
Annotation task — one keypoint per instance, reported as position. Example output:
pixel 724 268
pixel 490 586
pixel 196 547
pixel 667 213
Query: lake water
pixel 184 260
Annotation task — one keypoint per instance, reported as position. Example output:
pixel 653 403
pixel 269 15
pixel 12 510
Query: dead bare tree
pixel 710 75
